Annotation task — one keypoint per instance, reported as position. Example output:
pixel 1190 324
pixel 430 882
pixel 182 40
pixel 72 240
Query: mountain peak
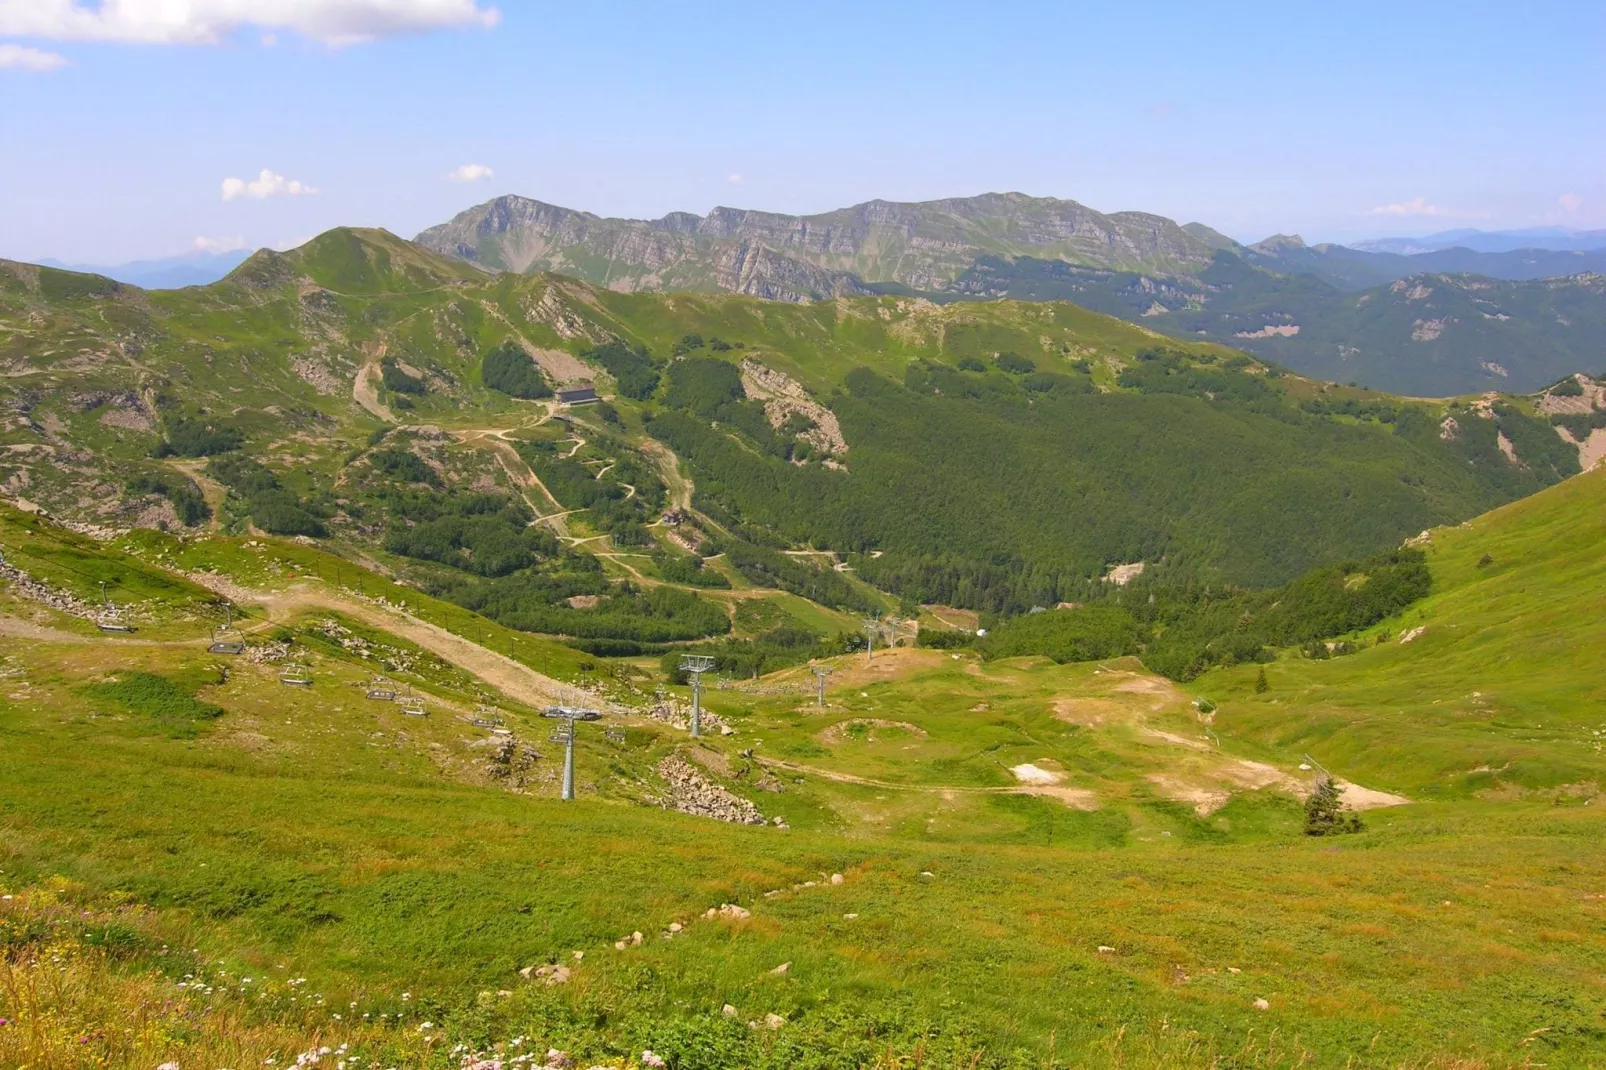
pixel 1279 241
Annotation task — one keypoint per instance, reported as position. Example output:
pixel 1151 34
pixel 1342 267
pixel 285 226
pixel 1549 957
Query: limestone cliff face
pixel 796 258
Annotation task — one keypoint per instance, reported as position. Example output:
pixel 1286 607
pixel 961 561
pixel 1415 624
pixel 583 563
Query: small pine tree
pixel 1261 684
pixel 1324 811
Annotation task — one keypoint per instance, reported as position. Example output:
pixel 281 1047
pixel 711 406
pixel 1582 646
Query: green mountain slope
pixel 996 455
pixel 1485 688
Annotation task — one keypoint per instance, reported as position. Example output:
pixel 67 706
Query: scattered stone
pixel 578 955
pixel 783 968
pixel 635 939
pixel 652 1060
pixel 927 873
pixel 558 1060
pixel 1233 969
pixel 675 926
pixel 1105 949
pixel 25 586
pixel 1262 1005
pixel 773 1021
pixel 527 972
pixel 837 878
pixel 728 1011
pixel 850 917
pixel 692 793
pixel 552 975
pixel 729 910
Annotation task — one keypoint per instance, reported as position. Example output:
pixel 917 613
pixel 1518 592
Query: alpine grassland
pixel 986 863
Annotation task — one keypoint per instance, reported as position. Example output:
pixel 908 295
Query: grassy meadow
pixel 1142 896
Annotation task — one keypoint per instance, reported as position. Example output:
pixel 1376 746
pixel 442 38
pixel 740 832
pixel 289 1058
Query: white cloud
pixel 1570 203
pixel 470 172
pixel 204 22
pixel 1417 206
pixel 19 57
pixel 735 178
pixel 267 184
pixel 204 244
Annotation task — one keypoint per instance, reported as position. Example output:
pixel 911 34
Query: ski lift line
pixel 91 577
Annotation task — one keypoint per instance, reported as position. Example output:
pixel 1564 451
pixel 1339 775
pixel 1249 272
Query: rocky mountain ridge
pixel 921 246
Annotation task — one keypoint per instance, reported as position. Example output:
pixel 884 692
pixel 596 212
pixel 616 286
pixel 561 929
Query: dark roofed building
pixel 577 394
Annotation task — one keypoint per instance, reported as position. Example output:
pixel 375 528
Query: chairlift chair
pixel 412 705
pixel 227 640
pixel 112 619
pixel 382 690
pixel 487 716
pixel 294 675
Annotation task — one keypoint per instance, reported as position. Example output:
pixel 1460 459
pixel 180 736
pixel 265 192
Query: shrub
pixel 632 369
pixel 405 466
pixel 158 698
pixel 1324 811
pixel 508 368
pixel 1015 364
pixel 1084 634
pixel 198 438
pixel 943 639
pixel 398 381
pixel 703 384
pixel 188 501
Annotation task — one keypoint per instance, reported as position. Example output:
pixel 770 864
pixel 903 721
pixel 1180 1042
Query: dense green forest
pixel 983 489
pixel 1182 629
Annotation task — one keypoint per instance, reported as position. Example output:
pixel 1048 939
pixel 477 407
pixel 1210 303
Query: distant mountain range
pixel 921 246
pixel 168 273
pixel 1555 239
pixel 1328 310
pixel 1427 335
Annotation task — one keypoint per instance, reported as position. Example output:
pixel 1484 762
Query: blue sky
pixel 119 126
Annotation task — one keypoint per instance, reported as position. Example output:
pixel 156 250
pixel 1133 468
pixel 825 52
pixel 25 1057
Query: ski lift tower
pixel 872 628
pixel 694 665
pixel 563 732
pixel 820 673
